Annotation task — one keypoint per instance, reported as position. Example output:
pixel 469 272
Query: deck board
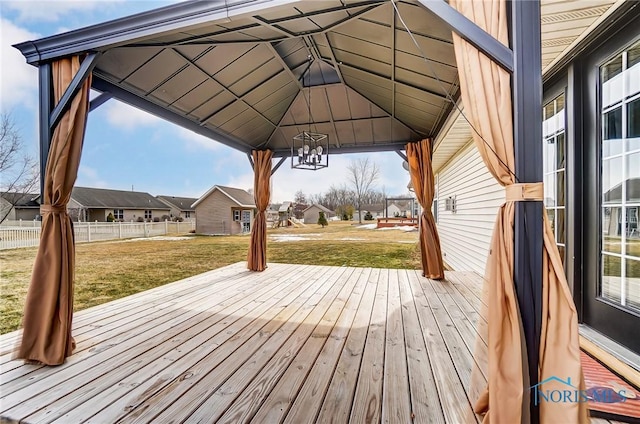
pixel 294 344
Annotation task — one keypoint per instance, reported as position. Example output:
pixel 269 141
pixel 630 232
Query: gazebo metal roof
pixel 238 71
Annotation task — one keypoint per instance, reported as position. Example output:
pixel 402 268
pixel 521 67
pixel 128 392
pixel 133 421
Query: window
pixel 118 214
pixel 187 214
pixel 236 215
pixel 553 145
pixel 148 214
pixel 620 178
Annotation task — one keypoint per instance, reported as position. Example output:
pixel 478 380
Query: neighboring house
pixel 181 207
pixel 19 206
pixel 224 210
pixel 591 151
pixel 95 204
pixel 402 207
pixel 312 213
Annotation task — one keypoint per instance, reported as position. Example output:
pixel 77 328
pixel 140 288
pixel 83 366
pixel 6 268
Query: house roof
pixel 182 203
pixel 100 198
pixel 319 206
pixel 240 197
pixel 21 200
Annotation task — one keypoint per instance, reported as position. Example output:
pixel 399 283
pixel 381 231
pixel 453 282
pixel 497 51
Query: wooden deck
pixel 294 344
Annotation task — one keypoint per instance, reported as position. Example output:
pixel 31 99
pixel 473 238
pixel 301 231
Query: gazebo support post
pixel 527 119
pixel 45 83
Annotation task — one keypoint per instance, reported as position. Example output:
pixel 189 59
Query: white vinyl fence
pixel 27 234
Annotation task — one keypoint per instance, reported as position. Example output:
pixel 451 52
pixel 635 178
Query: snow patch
pixel 293 237
pixel 406 228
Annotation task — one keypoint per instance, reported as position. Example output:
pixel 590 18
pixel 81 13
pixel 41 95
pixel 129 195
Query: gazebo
pixel 370 76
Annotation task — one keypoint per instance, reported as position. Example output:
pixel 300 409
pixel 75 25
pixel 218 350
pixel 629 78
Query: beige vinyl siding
pixel 465 235
pixel 214 215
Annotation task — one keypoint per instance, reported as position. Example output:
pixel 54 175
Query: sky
pixel 126 148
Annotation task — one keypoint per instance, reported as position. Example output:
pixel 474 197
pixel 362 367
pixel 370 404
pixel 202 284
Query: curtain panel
pixel 48 312
pixel 419 158
pixel 486 95
pixel 257 257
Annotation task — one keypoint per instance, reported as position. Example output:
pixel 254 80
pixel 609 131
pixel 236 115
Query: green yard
pixel 109 270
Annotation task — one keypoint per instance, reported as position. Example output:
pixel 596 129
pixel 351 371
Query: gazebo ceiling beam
pixel 353 148
pixel 332 57
pixel 102 85
pixel 471 32
pixel 86 67
pixel 272 25
pixel 101 99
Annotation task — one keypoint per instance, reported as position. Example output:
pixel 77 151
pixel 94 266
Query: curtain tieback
pixel 52 209
pixel 523 192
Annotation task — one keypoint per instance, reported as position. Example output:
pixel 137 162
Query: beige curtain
pixel 486 95
pixel 419 158
pixel 48 310
pixel 257 257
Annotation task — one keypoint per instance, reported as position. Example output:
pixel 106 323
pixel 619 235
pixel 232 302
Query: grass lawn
pixel 110 270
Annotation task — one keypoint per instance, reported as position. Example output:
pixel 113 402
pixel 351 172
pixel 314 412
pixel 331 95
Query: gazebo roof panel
pixel 346 132
pixel 437 50
pixel 221 56
pixel 265 96
pixel 122 61
pixel 192 51
pixel 155 72
pixel 229 117
pixel 367 31
pixel 261 75
pixel 179 85
pixel 213 105
pixel 421 21
pixel 425 99
pixel 198 97
pixel 277 109
pixel 446 73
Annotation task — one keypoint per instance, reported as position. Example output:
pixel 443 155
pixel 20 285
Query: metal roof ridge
pixel 144 24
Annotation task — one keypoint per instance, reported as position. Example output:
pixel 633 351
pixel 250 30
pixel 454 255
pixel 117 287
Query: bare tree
pixel 363 174
pixel 300 203
pixel 18 171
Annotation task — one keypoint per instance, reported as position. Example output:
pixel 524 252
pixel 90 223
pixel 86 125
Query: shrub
pixel 156 219
pixel 322 220
pixel 140 219
pixel 178 219
pixel 368 216
pixel 110 217
pixel 165 218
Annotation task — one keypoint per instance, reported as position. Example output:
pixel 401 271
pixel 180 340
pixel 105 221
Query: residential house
pixel 224 210
pixel 591 153
pixel 19 206
pixel 312 213
pixel 96 204
pixel 181 207
pixel 404 207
